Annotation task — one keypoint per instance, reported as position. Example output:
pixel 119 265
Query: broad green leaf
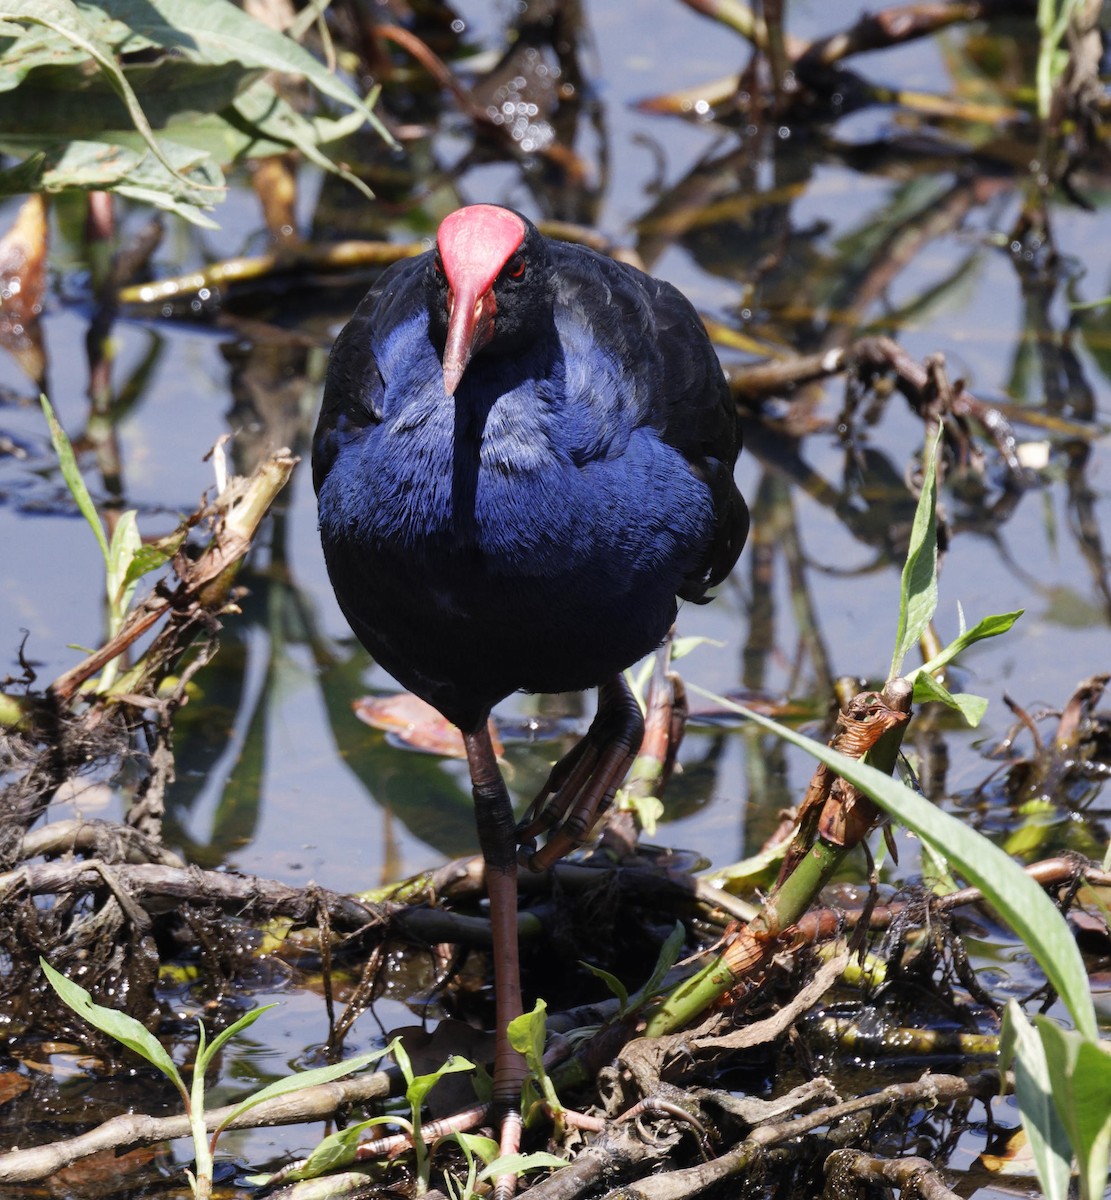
pixel 1049 1142
pixel 1080 1084
pixel 518 1164
pixel 927 690
pixel 1010 891
pixel 236 1027
pixel 421 1085
pixel 67 19
pixel 527 1034
pixel 218 32
pixel 67 461
pixel 117 1025
pixel 104 166
pixel 989 627
pixel 918 591
pixel 300 1081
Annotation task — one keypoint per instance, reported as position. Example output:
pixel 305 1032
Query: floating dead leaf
pixel 1011 1156
pixel 22 282
pixel 101 1174
pixel 23 267
pixel 415 723
pixel 12 1084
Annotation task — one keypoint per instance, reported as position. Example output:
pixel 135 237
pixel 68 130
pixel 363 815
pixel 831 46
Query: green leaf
pixel 219 32
pixel 1080 1083
pixel 989 627
pixel 1020 1044
pixel 336 1150
pixel 300 1081
pixel 918 593
pixel 244 1022
pixel 66 18
pixel 117 1025
pixel 518 1164
pixel 148 558
pixel 527 1034
pixel 927 690
pixel 613 983
pixel 667 958
pixel 67 461
pixel 1013 894
pixel 473 1144
pixel 421 1085
pixel 122 549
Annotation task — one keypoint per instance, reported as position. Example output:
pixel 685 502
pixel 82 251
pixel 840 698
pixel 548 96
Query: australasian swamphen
pixel 525 455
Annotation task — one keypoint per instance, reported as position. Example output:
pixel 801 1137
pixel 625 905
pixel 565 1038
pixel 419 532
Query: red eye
pixel 516 268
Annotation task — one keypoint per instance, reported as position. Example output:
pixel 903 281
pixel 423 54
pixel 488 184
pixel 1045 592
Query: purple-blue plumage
pixel 534 530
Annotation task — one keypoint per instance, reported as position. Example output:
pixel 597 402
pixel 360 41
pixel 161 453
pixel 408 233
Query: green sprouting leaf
pixel 335 1151
pixel 646 809
pixel 300 1081
pixel 989 627
pixel 918 591
pixel 67 461
pixel 614 984
pixel 518 1164
pixel 117 1025
pixel 527 1034
pixel 927 690
pixel 149 558
pixel 667 958
pixel 682 646
pixel 67 19
pixel 225 1035
pixel 421 1085
pixel 1010 891
pixel 475 1144
pixel 1020 1044
pixel 122 549
pixel 1079 1071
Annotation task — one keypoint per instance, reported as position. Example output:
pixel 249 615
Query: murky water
pixel 792 240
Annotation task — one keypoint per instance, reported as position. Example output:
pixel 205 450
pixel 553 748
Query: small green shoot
pixel 136 1037
pixel 417 1088
pixel 667 958
pixel 126 559
pixel 527 1035
pixel 918 603
pixel 918 593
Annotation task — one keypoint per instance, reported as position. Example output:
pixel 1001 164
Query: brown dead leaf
pixel 417 724
pixel 12 1084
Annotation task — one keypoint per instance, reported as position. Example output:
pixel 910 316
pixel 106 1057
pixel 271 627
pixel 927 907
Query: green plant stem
pixel 788 901
pixel 202 1148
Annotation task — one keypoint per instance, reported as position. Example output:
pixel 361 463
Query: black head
pixel 491 286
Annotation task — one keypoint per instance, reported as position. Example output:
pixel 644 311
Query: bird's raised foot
pixel 583 783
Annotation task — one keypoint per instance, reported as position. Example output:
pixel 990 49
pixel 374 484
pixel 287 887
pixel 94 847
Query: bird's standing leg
pixel 497 838
pixel 583 783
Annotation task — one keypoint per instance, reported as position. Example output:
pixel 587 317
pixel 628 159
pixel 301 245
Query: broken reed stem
pixel 833 820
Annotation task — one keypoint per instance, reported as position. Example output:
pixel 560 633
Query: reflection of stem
pixel 1084 523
